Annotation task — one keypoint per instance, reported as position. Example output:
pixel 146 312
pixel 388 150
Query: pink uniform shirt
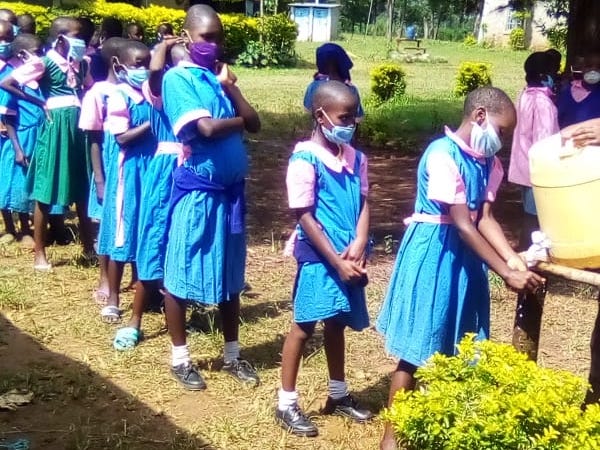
pixel 537 118
pixel 93 106
pixel 301 174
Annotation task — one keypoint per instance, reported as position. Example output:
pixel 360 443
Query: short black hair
pixel 492 99
pixel 8 15
pixel 61 25
pixel 27 23
pixel 111 27
pixel 554 58
pixel 132 25
pixel 199 13
pixel 88 28
pixel 110 48
pixel 128 46
pixel 24 41
pixel 165 28
pixel 537 64
pixel 329 92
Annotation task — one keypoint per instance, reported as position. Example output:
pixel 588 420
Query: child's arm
pixel 10 122
pixel 349 271
pixel 118 121
pixel 492 232
pixel 158 62
pixel 96 139
pixel 11 85
pixel 243 108
pixel 133 134
pixel 356 251
pixel 583 133
pixel 518 280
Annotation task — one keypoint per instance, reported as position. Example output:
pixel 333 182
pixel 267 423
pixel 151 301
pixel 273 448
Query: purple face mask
pixel 204 54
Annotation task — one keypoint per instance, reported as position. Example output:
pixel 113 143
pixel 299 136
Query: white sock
pixel 286 399
pixel 180 355
pixel 337 389
pixel 231 351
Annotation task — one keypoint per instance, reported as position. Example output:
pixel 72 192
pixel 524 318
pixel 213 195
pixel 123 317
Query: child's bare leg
pixel 24 223
pixel 143 292
pixel 175 311
pixel 86 235
pixel 238 368
pixel 115 275
pixel 9 224
pixel 402 379
pixel 333 335
pixel 291 355
pixel 40 223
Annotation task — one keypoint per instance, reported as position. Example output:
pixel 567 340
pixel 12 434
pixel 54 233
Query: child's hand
pixel 350 272
pixel 225 76
pixel 515 262
pixel 20 159
pixel 169 41
pixel 523 281
pixel 356 252
pixel 582 134
pixel 99 190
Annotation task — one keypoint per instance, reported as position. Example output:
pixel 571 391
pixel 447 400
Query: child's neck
pixel 464 131
pixel 334 149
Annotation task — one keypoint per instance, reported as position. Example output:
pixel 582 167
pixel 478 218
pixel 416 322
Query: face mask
pixel 485 141
pixel 205 54
pixel 338 134
pixel 548 82
pixel 77 48
pixel 16 29
pixel 5 50
pixel 134 77
pixel 591 77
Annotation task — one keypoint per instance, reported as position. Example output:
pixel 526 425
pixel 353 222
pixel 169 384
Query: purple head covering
pixel 332 53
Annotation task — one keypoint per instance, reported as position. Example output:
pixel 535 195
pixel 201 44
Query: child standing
pixel 537 118
pixel 580 102
pixel 58 172
pixel 128 120
pixel 155 196
pixel 333 63
pixel 92 121
pixel 23 120
pixel 327 188
pixel 206 247
pixel 439 288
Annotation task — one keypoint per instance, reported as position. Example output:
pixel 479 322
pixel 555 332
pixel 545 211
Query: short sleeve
pixel 364 177
pixel 30 71
pixel 92 111
pixel 118 119
pixel 300 182
pixel 545 121
pixel 445 183
pixel 496 176
pixel 186 99
pixel 308 95
pixel 154 100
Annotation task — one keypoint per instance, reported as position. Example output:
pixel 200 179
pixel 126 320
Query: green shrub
pixel 517 39
pixel 277 34
pixel 490 396
pixel 388 80
pixel 472 75
pixel 275 44
pixel 469 40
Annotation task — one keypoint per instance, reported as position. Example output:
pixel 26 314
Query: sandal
pixel 100 297
pixel 127 338
pixel 110 314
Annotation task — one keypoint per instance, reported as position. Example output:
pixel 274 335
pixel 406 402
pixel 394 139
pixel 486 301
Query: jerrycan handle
pixel 568 149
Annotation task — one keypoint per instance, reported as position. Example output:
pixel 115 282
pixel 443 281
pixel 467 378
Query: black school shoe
pixel 242 371
pixel 349 407
pixel 188 376
pixel 294 421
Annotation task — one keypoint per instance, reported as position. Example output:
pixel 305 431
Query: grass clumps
pixel 489 396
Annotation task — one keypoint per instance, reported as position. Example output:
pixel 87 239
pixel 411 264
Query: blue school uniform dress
pixel 126 108
pixel 571 112
pixel 439 287
pixel 7 155
pixel 156 194
pixel 335 191
pixel 206 247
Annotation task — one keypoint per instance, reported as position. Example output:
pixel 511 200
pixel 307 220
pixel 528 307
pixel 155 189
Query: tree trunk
pixel 390 24
pixel 584 28
pixel 478 17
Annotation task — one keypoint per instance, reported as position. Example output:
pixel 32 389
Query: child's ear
pixel 318 114
pixel 479 115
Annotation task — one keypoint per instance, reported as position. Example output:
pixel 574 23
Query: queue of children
pixel 149 145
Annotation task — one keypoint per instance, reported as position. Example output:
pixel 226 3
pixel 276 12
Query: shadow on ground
pixel 75 408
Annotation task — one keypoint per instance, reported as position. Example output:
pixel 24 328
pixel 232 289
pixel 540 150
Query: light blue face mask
pixel 5 50
pixel 134 77
pixel 485 141
pixel 548 82
pixel 16 30
pixel 77 48
pixel 338 134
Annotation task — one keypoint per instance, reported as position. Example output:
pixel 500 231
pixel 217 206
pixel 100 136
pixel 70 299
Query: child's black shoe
pixel 294 421
pixel 242 370
pixel 349 407
pixel 188 376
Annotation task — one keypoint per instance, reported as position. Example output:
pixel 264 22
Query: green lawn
pixel 429 102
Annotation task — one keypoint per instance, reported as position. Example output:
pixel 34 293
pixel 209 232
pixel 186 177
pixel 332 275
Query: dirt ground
pixel 88 396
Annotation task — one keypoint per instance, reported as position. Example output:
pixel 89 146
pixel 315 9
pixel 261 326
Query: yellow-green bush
pixel 275 44
pixel 388 80
pixel 516 39
pixel 472 75
pixel 491 397
pixel 277 32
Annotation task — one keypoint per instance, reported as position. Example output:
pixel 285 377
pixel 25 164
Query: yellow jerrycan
pixel 566 188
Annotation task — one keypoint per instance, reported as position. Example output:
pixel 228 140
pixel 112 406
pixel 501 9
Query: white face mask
pixel 485 141
pixel 591 77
